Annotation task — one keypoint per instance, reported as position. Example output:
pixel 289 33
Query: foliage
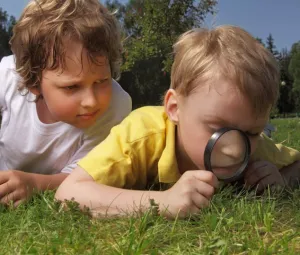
pixel 294 70
pixel 288 93
pixel 157 26
pixel 150 30
pixel 6 25
pixel 286 99
pixel 270 45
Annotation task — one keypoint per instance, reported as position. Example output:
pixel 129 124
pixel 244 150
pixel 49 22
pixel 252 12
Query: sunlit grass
pixel 235 223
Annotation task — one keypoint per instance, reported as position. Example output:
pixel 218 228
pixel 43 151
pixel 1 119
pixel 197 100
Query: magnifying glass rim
pixel 210 145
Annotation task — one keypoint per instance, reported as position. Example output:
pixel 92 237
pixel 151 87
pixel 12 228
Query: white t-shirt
pixel 29 145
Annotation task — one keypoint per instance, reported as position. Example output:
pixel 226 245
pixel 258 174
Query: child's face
pixel 203 112
pixel 79 94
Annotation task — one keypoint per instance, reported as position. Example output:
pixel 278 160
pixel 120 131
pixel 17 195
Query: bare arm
pixel 187 196
pixel 291 174
pixel 47 182
pixel 102 199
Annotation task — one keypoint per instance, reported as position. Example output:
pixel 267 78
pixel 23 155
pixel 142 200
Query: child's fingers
pixel 254 167
pixel 188 211
pixel 200 201
pixel 206 176
pixel 260 186
pixel 5 189
pixel 8 198
pixel 4 177
pixel 257 175
pixel 271 180
pixel 204 190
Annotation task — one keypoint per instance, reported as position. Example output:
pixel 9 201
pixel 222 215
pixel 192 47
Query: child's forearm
pixel 104 200
pixel 291 174
pixel 188 196
pixel 47 182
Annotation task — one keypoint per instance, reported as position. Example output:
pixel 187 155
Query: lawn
pixel 236 223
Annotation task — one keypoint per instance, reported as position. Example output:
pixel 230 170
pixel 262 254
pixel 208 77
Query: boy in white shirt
pixel 58 98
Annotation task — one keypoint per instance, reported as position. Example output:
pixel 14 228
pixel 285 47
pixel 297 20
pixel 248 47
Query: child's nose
pixel 234 151
pixel 89 99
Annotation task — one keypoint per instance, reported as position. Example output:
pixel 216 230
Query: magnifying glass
pixel 227 154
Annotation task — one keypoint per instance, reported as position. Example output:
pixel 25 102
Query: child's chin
pixel 83 125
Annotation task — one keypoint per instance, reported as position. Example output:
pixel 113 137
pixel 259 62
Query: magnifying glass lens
pixel 228 154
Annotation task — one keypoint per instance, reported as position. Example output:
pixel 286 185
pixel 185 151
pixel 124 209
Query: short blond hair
pixel 39 35
pixel 229 52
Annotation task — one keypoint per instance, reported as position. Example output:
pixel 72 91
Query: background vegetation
pixel 149 30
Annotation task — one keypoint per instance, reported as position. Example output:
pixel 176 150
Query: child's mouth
pixel 88 116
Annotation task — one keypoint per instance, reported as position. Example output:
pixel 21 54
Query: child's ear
pixel 171 105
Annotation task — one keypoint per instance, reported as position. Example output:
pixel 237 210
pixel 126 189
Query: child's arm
pixel 17 186
pixel 191 193
pixel 261 174
pixel 277 164
pixel 291 174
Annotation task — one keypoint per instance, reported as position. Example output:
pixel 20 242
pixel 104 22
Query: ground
pixel 235 223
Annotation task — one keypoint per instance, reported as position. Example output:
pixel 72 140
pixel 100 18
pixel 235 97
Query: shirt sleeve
pixel 111 163
pixel 128 157
pixel 119 108
pixel 278 154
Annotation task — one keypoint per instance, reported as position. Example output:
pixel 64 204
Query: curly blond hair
pixel 38 36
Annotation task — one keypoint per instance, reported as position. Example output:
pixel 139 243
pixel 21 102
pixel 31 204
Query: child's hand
pixel 261 174
pixel 191 193
pixel 15 187
pixel 291 174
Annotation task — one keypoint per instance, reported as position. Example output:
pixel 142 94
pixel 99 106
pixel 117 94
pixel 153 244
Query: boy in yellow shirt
pixel 220 78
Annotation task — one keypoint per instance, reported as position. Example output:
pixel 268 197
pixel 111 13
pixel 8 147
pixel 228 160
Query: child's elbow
pixel 64 191
pixel 71 187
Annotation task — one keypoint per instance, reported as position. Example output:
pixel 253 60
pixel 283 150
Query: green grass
pixel 235 223
pixel 288 132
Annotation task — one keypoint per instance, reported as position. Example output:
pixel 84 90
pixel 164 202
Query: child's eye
pixel 101 81
pixel 211 129
pixel 73 87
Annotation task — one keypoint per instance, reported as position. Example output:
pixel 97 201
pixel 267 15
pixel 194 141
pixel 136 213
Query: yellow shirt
pixel 141 151
pixel 277 154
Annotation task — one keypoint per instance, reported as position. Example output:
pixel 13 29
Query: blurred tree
pixel 285 101
pixel 6 25
pixel 294 71
pixel 150 29
pixel 270 45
